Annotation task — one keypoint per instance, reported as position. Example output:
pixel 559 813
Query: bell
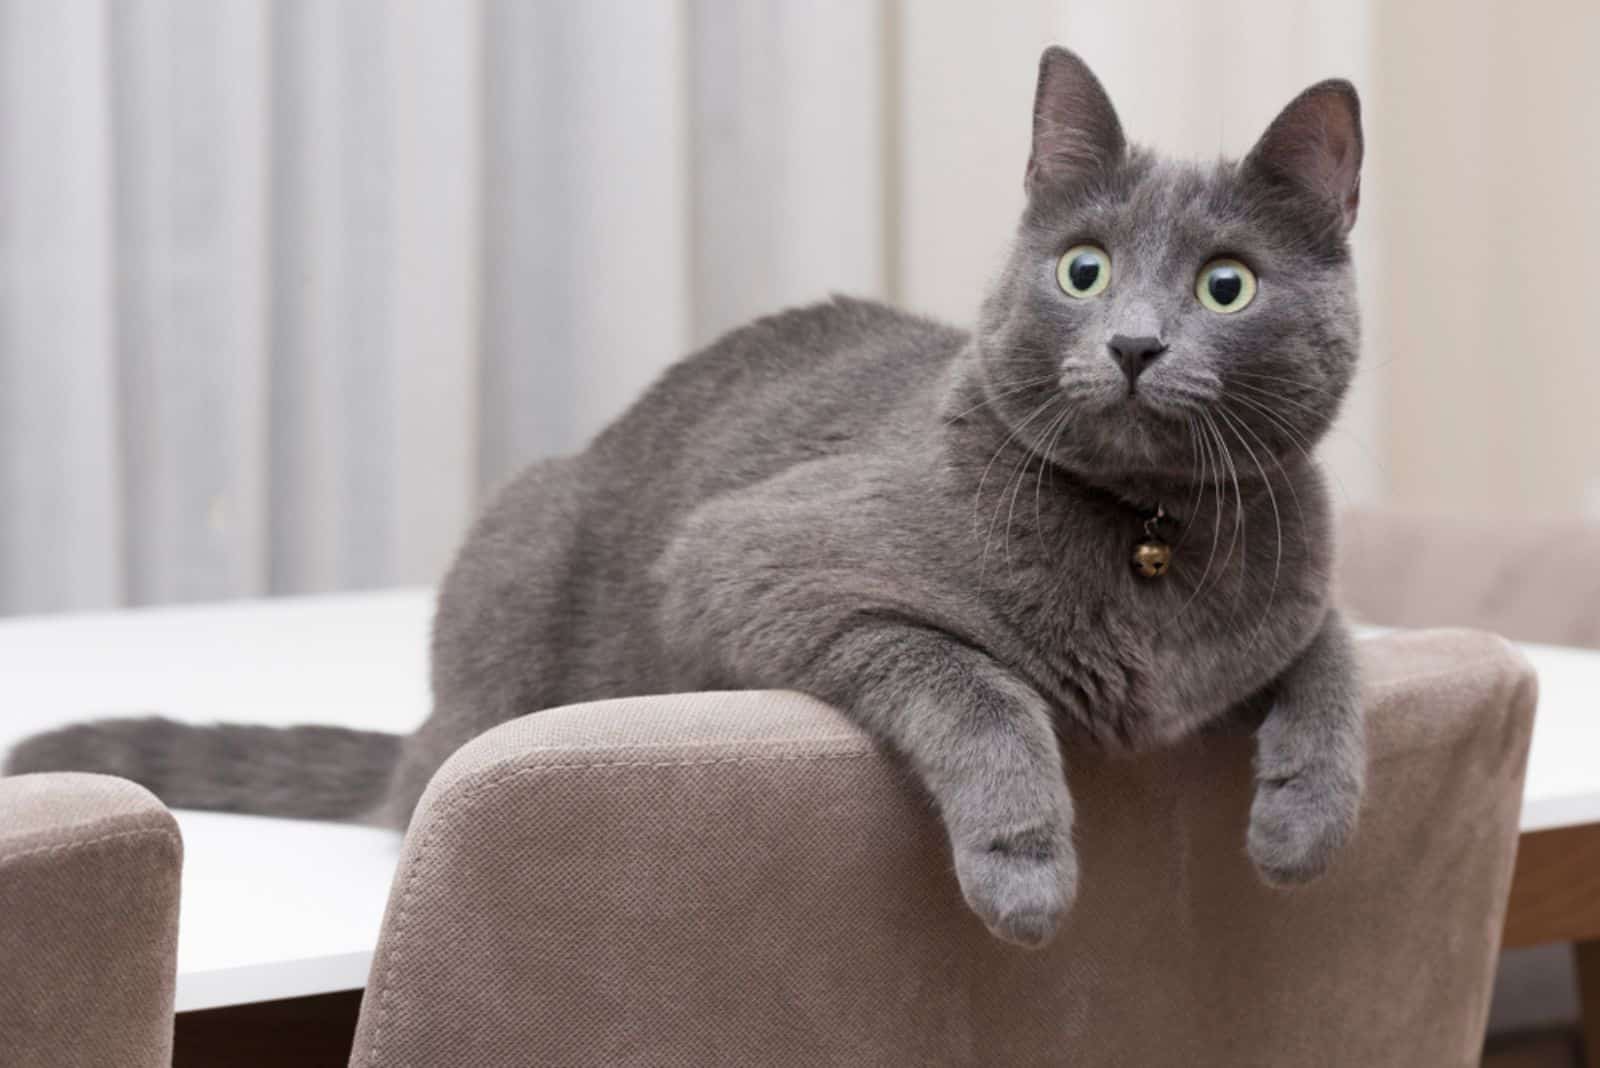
pixel 1152 558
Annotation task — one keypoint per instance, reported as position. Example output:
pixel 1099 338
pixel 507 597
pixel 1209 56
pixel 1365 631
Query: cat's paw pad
pixel 1298 823
pixel 1020 885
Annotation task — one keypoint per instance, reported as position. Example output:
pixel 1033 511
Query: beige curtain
pixel 285 287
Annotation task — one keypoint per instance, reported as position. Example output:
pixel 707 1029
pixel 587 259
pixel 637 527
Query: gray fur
pixel 932 528
pixel 227 767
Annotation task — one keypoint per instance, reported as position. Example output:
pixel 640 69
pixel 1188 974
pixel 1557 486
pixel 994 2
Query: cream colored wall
pixel 1491 130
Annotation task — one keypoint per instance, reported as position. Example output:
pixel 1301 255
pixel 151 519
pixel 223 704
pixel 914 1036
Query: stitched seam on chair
pixel 460 799
pixel 65 847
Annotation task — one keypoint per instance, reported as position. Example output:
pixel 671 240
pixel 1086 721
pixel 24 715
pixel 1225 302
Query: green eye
pixel 1084 271
pixel 1225 286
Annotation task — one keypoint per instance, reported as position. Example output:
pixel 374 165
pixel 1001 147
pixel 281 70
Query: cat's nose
pixel 1134 354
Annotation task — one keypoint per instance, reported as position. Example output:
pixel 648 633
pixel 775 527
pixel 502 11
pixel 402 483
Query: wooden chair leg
pixel 1588 959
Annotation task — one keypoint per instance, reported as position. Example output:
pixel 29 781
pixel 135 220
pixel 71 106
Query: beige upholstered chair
pixel 89 869
pixel 742 879
pixel 1531 580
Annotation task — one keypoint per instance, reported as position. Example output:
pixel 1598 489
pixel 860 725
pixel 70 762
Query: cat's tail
pixel 308 772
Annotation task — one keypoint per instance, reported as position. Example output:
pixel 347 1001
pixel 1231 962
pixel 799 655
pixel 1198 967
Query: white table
pixel 283 908
pixel 271 908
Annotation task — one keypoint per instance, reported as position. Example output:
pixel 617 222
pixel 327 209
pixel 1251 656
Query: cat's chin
pixel 1130 441
pixel 1136 424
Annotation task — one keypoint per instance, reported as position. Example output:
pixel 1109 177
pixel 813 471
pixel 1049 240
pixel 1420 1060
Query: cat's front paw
pixel 1020 885
pixel 1299 821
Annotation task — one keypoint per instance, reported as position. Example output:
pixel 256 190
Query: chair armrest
pixel 89 880
pixel 743 878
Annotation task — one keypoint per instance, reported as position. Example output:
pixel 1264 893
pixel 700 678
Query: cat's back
pixel 552 590
pixel 804 384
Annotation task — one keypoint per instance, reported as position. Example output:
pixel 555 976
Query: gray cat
pixel 1091 521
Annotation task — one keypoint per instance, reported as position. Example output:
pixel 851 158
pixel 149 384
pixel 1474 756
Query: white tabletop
pixel 1563 784
pixel 282 908
pixel 271 908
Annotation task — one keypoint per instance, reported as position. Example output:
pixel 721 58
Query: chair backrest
pixel 1534 580
pixel 742 879
pixel 1531 580
pixel 89 874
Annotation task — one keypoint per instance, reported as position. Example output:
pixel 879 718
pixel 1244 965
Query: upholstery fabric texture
pixel 744 879
pixel 89 876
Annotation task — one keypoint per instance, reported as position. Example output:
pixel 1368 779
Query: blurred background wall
pixel 286 287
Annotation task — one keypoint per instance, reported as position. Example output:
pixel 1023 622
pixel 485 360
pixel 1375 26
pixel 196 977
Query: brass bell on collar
pixel 1152 558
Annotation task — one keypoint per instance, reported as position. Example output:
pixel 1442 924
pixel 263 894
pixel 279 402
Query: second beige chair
pixel 89 875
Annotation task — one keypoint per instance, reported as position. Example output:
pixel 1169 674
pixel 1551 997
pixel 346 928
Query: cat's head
pixel 1155 313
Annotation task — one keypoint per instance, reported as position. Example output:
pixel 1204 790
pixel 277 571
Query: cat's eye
pixel 1225 286
pixel 1084 271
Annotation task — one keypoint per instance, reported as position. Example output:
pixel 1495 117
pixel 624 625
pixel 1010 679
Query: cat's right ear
pixel 1075 128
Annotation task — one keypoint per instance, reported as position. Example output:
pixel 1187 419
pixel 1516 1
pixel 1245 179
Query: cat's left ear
pixel 1315 145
